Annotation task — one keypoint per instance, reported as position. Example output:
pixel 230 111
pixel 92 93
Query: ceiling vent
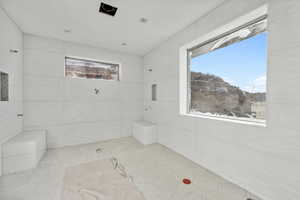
pixel 108 9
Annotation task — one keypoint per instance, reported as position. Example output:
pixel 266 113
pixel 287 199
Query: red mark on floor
pixel 186 181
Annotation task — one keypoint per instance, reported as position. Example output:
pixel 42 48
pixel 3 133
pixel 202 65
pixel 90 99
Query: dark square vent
pixel 108 9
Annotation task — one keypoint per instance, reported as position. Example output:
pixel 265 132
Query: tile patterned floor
pixel 156 170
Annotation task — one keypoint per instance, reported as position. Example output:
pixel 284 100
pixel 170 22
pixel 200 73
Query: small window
pixel 227 74
pixel 90 69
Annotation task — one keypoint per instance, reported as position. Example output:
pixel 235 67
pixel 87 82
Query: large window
pixel 227 74
pixel 90 69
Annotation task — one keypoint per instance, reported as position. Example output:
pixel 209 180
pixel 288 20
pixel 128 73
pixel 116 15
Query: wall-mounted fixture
pixel 147 108
pixel 154 92
pixel 108 9
pixel 67 31
pixel 99 150
pixel 96 90
pixel 150 70
pixel 143 20
pixel 14 51
pixel 3 86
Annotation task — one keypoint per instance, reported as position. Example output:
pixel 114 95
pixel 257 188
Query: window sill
pixel 260 123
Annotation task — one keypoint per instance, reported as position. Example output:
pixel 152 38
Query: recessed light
pixel 124 44
pixel 67 30
pixel 143 20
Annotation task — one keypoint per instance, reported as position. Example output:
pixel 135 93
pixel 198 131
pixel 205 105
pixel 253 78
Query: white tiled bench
pixel 23 151
pixel 145 132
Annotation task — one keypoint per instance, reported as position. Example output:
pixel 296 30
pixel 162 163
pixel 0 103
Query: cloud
pixel 258 85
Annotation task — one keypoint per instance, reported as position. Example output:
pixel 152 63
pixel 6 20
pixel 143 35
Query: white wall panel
pixel 12 63
pixel 68 108
pixel 263 160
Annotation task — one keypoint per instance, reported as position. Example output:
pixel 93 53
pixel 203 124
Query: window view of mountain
pixel 79 68
pixel 211 94
pixel 90 72
pixel 228 74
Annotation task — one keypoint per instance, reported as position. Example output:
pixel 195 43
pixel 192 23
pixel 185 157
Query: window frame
pixel 96 61
pixel 184 66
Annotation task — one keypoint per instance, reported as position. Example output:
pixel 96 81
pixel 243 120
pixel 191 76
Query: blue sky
pixel 243 64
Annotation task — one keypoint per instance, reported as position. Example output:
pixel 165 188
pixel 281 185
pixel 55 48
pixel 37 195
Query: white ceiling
pixel 165 18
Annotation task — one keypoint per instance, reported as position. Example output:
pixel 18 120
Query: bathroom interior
pixel 149 100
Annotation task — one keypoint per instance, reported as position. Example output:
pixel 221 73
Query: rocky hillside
pixel 214 95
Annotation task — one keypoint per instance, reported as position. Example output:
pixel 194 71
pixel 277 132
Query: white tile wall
pixel 68 108
pixel 263 160
pixel 11 38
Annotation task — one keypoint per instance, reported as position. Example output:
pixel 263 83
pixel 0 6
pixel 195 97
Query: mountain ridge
pixel 212 94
